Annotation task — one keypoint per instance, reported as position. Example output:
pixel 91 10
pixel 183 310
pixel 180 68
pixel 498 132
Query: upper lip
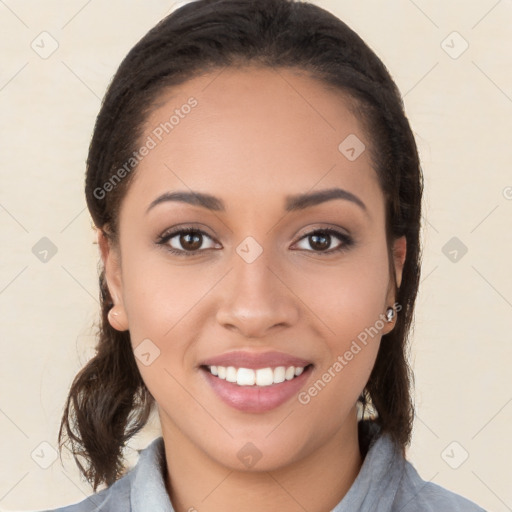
pixel 242 359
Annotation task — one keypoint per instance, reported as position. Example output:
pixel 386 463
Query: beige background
pixel 461 111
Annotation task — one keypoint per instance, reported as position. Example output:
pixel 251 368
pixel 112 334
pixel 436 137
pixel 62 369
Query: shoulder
pixel 114 498
pixel 415 494
pixel 129 492
pixel 390 482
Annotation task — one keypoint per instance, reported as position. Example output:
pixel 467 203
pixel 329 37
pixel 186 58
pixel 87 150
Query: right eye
pixel 190 240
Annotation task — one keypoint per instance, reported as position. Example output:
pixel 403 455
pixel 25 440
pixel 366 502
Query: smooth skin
pixel 256 136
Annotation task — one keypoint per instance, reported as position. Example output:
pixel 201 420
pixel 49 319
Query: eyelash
pixel 346 239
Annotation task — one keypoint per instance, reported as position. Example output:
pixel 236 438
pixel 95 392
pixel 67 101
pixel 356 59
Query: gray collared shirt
pixel 386 483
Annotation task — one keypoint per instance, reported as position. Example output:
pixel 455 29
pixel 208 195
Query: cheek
pixel 335 388
pixel 353 310
pixel 158 295
pixel 163 302
pixel 350 302
pixel 350 296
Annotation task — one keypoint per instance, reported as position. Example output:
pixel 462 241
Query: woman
pixel 256 190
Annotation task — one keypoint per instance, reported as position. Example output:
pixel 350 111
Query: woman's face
pixel 260 284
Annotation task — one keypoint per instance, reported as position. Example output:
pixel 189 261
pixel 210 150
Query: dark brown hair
pixel 108 401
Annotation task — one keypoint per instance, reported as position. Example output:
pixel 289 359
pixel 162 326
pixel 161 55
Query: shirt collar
pixel 148 491
pixel 378 479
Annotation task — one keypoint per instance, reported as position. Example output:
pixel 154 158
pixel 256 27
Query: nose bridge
pixel 254 285
pixel 254 299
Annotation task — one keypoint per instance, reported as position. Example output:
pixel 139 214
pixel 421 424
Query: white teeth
pixel 260 377
pixel 264 377
pixel 289 374
pixel 279 374
pixel 231 374
pixel 245 377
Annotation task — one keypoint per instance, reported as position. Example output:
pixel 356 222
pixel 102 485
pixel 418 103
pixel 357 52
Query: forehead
pixel 251 133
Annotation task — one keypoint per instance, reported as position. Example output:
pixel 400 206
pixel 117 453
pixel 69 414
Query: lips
pixel 256 383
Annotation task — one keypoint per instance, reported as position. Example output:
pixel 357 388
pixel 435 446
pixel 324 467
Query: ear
pixel 399 250
pixel 112 264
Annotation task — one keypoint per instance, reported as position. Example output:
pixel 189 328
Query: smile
pixel 261 377
pixel 256 390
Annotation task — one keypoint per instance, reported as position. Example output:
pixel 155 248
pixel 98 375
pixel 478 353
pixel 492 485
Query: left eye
pixel 322 238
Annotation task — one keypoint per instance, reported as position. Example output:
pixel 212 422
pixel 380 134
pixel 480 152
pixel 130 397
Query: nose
pixel 256 298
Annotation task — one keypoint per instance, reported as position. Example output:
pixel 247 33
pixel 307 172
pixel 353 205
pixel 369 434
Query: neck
pixel 316 482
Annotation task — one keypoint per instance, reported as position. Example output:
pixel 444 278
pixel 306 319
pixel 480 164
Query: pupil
pixel 323 245
pixel 187 237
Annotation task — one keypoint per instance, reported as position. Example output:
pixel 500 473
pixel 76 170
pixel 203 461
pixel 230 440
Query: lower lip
pixel 256 399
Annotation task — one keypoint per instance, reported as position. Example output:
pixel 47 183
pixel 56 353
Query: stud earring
pixel 390 314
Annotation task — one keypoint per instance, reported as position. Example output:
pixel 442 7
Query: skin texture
pixel 255 136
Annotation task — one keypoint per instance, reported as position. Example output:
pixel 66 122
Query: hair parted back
pixel 108 401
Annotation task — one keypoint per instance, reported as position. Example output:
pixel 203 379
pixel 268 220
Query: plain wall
pixel 460 108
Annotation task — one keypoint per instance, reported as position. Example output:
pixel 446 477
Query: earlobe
pixel 117 315
pixel 117 318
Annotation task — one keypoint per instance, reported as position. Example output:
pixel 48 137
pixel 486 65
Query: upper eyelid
pixel 171 233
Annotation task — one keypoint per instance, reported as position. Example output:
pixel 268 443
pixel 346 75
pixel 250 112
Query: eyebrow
pixel 292 203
